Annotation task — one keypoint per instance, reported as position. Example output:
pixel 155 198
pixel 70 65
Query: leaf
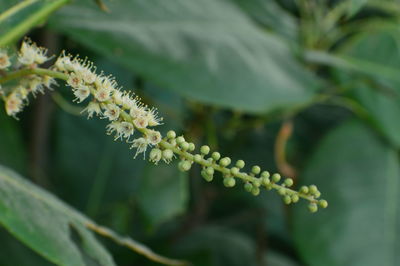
pixel 21 16
pixel 359 175
pixel 162 193
pixel 207 51
pixel 47 225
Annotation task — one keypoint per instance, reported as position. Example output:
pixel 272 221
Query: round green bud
pixel 171 134
pixel 323 204
pixel 205 149
pixel 295 198
pixel 265 180
pixel 206 176
pixel 192 146
pixel 265 174
pixel 287 199
pixel 184 145
pixel 155 155
pixel 276 177
pixel 209 170
pixel 229 181
pixel 225 161
pixel 256 169
pixel 304 190
pixel 172 141
pixel 312 207
pixel 216 155
pixel 180 139
pixel 167 154
pixel 240 164
pixel 257 182
pixel 184 166
pixel 282 191
pixel 197 158
pixel 313 189
pixel 317 194
pixel 288 182
pixel 234 170
pixel 255 191
pixel 248 186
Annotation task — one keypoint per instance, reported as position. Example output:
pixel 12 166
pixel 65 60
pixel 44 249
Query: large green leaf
pixel 359 175
pixel 207 50
pixel 47 225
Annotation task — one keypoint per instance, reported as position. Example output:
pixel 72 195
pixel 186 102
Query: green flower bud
pixel 313 189
pixel 192 147
pixel 216 155
pixel 255 191
pixel 288 182
pixel 209 170
pixel 256 169
pixel 167 155
pixel 184 166
pixel 155 155
pixel 206 176
pixel 287 199
pixel 323 204
pixel 304 190
pixel 184 145
pixel 276 177
pixel 295 198
pixel 205 149
pixel 265 174
pixel 257 182
pixel 240 164
pixel 197 158
pixel 248 186
pixel 225 161
pixel 282 191
pixel 317 194
pixel 171 134
pixel 234 170
pixel 265 180
pixel 312 207
pixel 180 139
pixel 229 181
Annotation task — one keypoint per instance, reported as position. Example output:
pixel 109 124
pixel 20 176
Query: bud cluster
pixel 126 114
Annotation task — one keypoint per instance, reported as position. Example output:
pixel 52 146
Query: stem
pixel 15 8
pixel 164 144
pixel 28 23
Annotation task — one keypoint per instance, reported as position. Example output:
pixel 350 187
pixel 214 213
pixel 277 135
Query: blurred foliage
pixel 227 73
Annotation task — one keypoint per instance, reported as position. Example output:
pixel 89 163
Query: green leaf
pixel 18 17
pixel 162 192
pixel 207 51
pixel 359 176
pixel 47 225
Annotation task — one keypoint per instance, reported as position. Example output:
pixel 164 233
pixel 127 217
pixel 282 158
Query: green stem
pixel 31 21
pixel 15 8
pixel 164 144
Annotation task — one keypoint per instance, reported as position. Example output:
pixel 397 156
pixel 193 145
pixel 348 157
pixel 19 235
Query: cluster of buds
pixel 126 115
pixel 212 162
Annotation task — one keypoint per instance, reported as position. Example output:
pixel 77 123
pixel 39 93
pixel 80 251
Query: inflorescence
pixel 132 121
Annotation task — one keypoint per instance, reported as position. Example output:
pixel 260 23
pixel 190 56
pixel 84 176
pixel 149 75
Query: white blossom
pixel 4 60
pixel 112 112
pixel 92 108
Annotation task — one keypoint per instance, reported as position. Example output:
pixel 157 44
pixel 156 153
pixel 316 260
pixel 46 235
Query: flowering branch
pixel 127 114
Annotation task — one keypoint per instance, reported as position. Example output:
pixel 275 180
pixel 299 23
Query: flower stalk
pixel 127 115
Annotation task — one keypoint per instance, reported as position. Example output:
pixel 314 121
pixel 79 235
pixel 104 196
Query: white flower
pixel 4 60
pixel 30 54
pixel 14 104
pixel 127 129
pixel 140 122
pixel 48 81
pixel 153 136
pixel 152 117
pixel 92 108
pixel 112 112
pixel 126 101
pixel 74 80
pixel 64 63
pixel 137 110
pixel 117 96
pixel 141 145
pixel 81 93
pixel 35 85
